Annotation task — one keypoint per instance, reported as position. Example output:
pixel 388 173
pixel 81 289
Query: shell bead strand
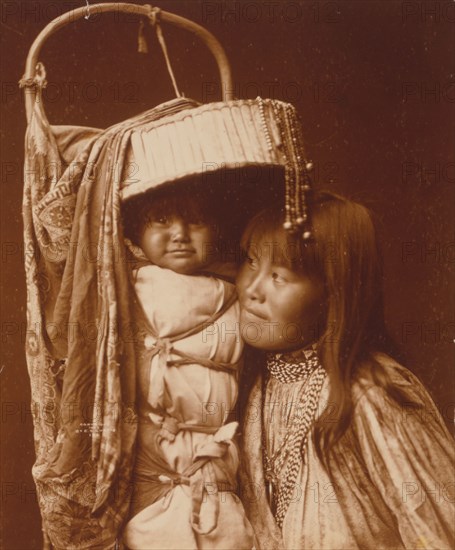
pixel 281 468
pixel 297 182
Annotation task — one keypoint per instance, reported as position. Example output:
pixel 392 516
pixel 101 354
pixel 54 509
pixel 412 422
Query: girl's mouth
pixel 181 252
pixel 253 314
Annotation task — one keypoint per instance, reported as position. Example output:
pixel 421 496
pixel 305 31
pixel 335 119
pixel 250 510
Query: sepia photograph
pixel 228 275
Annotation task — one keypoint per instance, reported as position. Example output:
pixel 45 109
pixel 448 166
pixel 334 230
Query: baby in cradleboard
pixel 184 479
pixel 349 450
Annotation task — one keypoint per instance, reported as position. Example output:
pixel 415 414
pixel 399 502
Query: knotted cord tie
pixel 154 20
pixel 163 347
pixel 38 80
pixel 201 475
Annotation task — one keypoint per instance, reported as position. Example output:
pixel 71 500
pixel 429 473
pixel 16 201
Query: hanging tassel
pixel 141 40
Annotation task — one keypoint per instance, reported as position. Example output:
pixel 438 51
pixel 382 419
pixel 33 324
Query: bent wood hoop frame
pixel 73 15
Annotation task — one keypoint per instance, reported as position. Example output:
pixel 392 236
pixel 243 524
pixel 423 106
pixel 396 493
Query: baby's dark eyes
pixel 169 220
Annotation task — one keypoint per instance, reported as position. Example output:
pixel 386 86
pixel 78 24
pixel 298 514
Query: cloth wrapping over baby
pixel 187 461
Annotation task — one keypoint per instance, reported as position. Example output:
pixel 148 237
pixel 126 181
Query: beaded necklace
pixel 280 480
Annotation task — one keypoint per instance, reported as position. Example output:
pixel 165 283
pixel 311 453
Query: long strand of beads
pixel 293 435
pixel 306 167
pixel 287 370
pixel 289 170
pixel 297 147
pixel 294 444
pixel 290 451
pixel 297 182
pixel 292 154
pixel 298 446
pixel 304 180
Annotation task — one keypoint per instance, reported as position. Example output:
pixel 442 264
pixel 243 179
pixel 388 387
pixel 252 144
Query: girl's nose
pixel 254 288
pixel 179 230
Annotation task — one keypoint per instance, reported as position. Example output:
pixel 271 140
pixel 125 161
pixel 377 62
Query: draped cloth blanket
pixel 80 343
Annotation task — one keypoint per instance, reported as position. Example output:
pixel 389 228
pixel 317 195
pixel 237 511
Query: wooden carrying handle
pixel 31 69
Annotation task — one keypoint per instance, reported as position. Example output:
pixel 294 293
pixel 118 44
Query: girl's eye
pixel 162 220
pixel 277 278
pixel 252 262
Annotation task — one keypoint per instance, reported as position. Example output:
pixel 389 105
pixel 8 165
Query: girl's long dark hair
pixel 344 255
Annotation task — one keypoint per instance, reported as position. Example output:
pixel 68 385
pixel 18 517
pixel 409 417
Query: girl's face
pixel 176 243
pixel 280 308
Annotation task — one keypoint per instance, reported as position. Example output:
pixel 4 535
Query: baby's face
pixel 174 243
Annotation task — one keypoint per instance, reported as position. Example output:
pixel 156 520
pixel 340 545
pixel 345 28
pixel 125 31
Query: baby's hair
pixel 344 255
pixel 191 205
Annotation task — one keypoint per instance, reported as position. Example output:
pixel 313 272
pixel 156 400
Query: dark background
pixel 374 83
